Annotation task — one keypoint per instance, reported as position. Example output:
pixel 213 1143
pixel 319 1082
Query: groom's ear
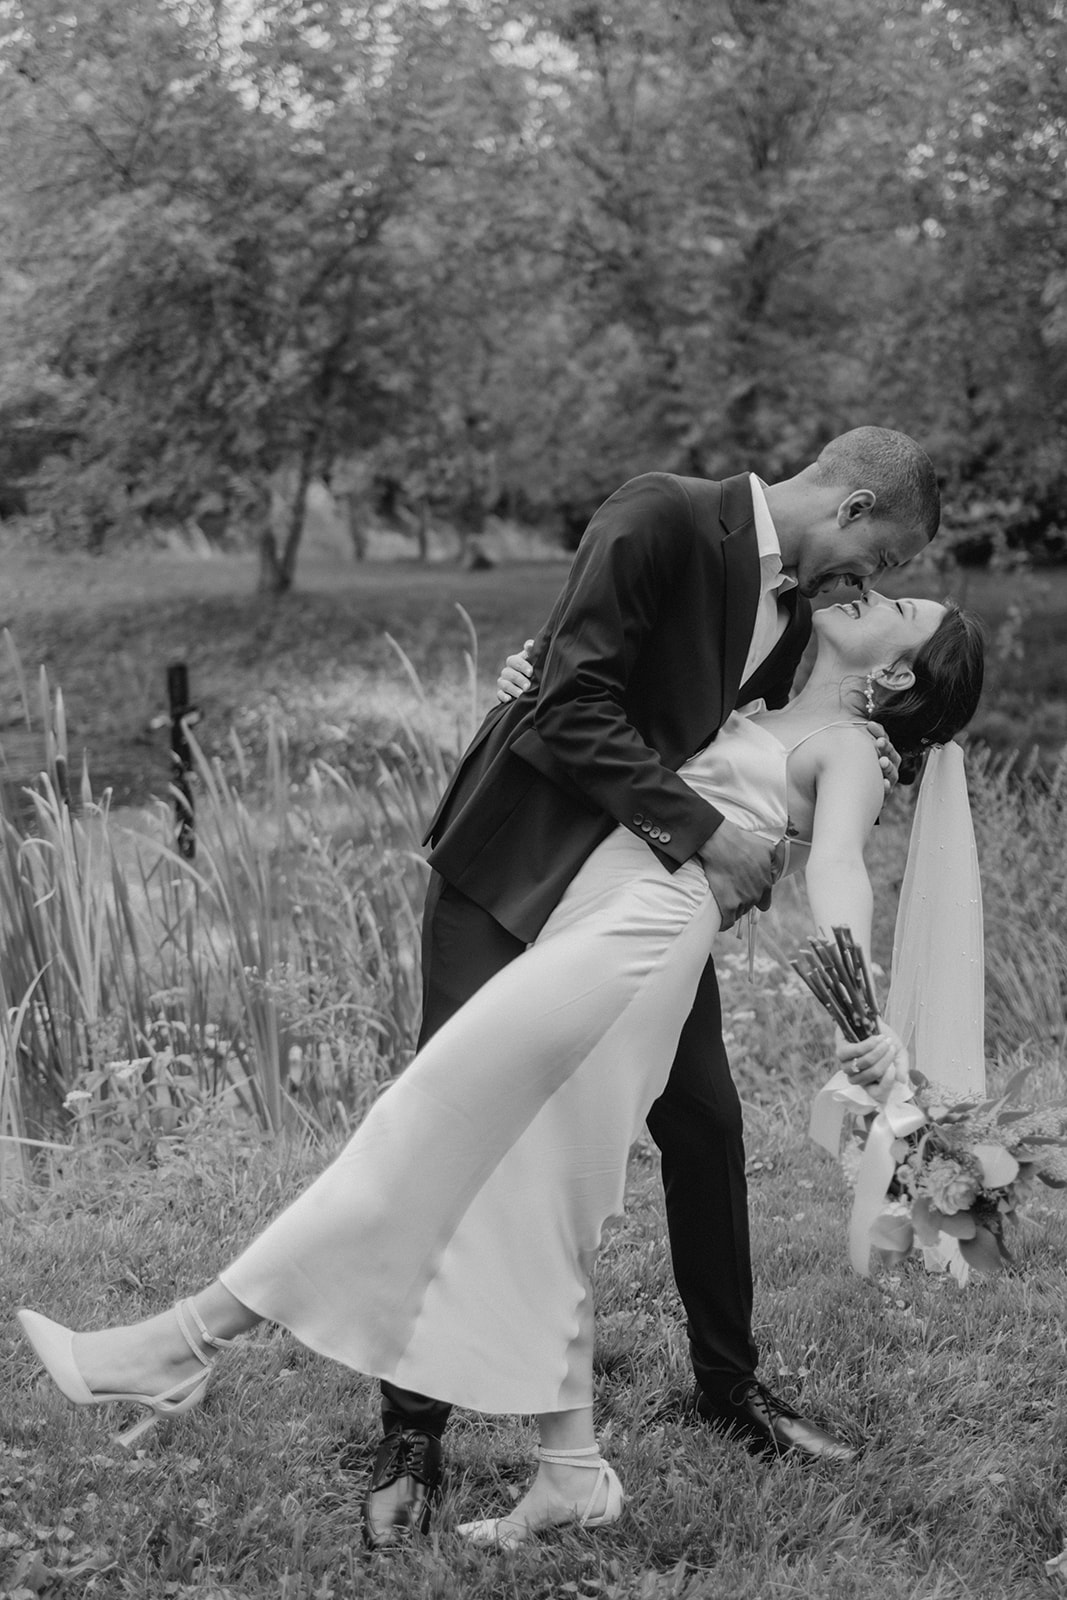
pixel 898 676
pixel 857 504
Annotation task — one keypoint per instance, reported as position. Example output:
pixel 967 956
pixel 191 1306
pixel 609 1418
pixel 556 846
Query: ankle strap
pixel 207 1338
pixel 588 1456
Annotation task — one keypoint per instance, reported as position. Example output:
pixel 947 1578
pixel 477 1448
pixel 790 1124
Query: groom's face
pixel 853 548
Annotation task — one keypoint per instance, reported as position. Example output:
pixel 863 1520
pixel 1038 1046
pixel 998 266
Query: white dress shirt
pixel 771 618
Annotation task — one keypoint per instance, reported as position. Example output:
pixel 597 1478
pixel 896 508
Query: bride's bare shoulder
pixel 844 763
pixel 837 742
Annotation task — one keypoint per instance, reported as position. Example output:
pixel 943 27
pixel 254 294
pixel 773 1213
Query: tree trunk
pixel 271 579
pixel 298 511
pixel 352 513
pixel 277 568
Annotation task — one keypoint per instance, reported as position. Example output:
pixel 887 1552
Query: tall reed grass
pixel 1020 811
pixel 274 976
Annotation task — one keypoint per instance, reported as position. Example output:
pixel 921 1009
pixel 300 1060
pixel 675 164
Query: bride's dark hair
pixel 948 672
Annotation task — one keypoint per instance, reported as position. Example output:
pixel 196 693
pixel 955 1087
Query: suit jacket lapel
pixel 741 586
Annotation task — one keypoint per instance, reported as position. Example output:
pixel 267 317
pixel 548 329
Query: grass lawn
pixel 960 1490
pixel 318 660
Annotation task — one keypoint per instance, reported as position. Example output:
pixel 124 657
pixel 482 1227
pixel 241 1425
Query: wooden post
pixel 181 713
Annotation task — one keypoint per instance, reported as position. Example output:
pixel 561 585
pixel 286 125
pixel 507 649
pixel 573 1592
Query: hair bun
pixel 911 762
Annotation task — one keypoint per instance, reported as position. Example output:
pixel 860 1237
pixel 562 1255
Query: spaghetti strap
pixel 845 722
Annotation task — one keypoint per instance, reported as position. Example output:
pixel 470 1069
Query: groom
pixel 686 598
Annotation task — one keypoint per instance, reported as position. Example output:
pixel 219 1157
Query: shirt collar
pixel 770 551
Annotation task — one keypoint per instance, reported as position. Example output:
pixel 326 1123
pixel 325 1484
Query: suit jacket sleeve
pixel 626 574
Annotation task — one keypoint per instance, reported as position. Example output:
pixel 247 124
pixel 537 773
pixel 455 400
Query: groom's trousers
pixel 696 1122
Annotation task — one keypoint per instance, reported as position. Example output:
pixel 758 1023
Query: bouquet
pixel 956 1172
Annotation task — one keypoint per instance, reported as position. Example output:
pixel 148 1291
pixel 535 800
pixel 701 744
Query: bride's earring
pixel 868 695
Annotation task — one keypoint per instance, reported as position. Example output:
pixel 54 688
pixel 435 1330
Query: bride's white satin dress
pixel 449 1246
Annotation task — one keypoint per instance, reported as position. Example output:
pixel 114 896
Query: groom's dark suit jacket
pixel 636 669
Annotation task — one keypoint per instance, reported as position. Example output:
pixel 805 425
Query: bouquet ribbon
pixel 896 1115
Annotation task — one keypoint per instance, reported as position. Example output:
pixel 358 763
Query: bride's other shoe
pixel 603 1506
pixel 54 1347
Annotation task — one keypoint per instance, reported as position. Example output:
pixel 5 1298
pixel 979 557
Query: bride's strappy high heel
pixel 506 1535
pixel 54 1347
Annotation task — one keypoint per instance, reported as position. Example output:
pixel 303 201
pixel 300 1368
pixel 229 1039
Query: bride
pixel 449 1248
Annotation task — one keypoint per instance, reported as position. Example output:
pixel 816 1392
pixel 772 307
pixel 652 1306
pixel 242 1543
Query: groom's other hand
pixel 740 870
pixel 888 755
pixel 517 674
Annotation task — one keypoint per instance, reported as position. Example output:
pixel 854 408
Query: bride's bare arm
pixel 848 798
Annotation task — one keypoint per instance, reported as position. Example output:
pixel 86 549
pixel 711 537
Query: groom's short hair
pixel 896 469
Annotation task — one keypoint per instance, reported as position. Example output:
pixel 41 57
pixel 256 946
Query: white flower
pixel 950 1188
pixel 127 1069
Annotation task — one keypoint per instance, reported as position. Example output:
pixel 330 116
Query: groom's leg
pixel 462 948
pixel 697 1123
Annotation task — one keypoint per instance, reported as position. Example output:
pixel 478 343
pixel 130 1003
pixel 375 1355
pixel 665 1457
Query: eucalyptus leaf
pixel 999 1167
pixel 982 1252
pixel 892 1231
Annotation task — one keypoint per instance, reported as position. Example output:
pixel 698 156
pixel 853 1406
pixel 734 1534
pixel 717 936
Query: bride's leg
pixel 572 1482
pixel 561 1489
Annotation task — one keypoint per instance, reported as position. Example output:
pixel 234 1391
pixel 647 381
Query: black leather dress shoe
pixel 404 1484
pixel 767 1426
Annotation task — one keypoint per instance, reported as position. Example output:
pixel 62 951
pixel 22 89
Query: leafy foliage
pixel 487 259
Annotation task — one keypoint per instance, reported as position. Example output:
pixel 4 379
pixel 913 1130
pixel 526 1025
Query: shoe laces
pixel 409 1453
pixel 752 1389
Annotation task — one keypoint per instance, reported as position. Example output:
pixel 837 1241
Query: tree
pixel 991 166
pixel 506 256
pixel 213 287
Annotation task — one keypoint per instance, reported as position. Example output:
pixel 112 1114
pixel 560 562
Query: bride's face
pixel 876 631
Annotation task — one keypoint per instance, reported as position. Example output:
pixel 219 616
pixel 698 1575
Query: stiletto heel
pixel 53 1345
pixel 506 1535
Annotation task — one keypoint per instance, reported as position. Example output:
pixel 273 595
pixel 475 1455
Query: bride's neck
pixel 826 692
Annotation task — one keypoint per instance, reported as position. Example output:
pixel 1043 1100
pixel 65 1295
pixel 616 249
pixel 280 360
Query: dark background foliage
pixel 465 259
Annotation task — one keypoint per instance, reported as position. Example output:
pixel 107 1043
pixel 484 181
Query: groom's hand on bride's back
pixel 740 869
pixel 516 675
pixel 888 755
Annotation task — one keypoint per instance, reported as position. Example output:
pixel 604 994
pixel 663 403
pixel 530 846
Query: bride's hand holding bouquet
pixel 931 1171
